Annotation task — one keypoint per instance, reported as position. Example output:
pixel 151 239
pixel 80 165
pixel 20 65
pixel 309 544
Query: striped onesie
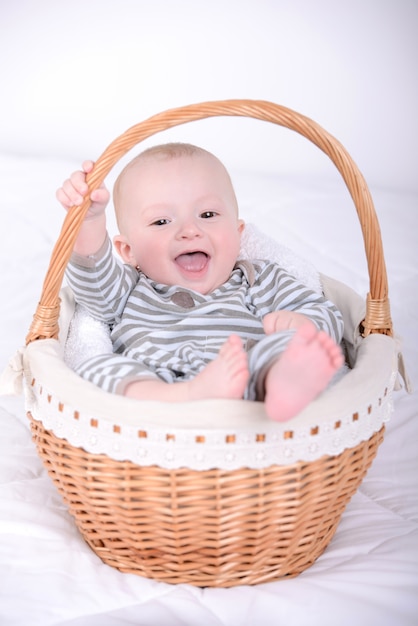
pixel 171 333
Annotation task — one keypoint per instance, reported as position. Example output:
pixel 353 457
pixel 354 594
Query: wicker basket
pixel 218 526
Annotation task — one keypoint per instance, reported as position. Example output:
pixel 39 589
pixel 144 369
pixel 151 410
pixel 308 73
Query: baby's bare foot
pixel 301 373
pixel 226 376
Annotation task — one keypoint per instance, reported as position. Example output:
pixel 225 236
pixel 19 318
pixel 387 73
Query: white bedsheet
pixel 369 572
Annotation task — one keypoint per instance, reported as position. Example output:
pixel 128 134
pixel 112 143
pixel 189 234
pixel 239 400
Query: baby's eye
pixel 161 222
pixel 208 214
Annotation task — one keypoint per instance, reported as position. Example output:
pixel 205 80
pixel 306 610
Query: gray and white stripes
pixel 158 333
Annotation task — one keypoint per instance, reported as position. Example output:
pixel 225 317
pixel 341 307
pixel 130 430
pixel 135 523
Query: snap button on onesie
pixel 183 299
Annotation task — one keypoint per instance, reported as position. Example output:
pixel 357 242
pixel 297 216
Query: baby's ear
pixel 124 250
pixel 241 226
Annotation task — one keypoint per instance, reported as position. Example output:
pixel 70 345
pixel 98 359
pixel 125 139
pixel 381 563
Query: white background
pixel 74 75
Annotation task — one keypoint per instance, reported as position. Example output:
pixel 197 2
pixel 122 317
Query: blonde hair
pixel 165 151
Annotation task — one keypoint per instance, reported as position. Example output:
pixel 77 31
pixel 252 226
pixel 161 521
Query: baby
pixel 188 319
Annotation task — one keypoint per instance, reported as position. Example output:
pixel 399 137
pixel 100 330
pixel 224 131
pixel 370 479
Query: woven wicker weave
pixel 212 527
pixel 207 528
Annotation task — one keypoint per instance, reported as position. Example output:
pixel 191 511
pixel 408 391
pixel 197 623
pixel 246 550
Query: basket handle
pixel 45 320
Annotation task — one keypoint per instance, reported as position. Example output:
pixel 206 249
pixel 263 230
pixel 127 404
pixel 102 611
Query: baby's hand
pixel 74 189
pixel 283 320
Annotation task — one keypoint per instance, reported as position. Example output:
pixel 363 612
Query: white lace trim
pixel 203 449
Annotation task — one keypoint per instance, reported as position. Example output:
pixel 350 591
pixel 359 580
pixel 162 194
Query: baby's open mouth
pixel 193 261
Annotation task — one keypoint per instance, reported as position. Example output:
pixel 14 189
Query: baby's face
pixel 179 221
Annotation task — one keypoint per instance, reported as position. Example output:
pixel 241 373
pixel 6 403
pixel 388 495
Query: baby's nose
pixel 189 228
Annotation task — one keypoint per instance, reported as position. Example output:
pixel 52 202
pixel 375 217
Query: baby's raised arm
pixel 72 193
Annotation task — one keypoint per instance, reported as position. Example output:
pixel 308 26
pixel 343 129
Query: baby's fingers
pixel 87 166
pixel 100 195
pixel 72 191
